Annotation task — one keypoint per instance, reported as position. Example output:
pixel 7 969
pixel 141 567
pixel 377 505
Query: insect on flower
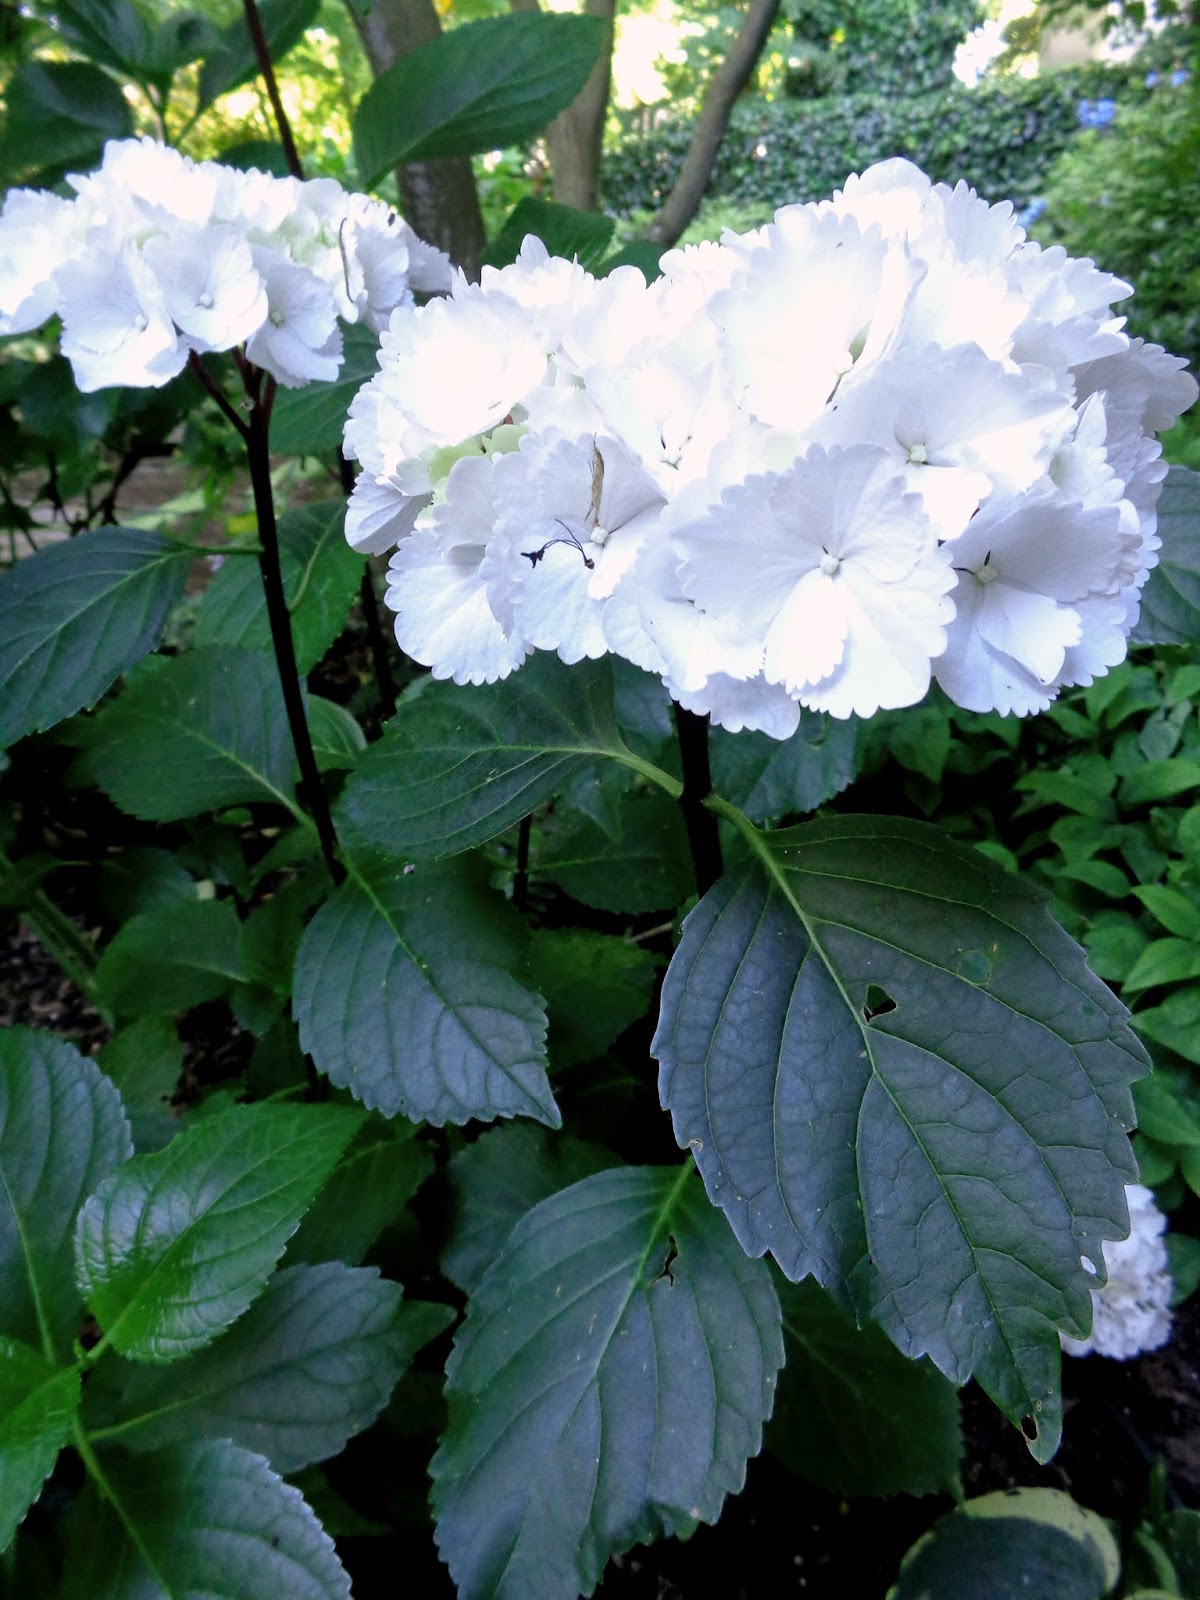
pixel 593 519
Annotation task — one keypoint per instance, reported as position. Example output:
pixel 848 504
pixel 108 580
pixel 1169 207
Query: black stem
pixel 214 389
pixel 521 876
pixel 703 837
pixel 384 682
pixel 262 51
pixel 312 790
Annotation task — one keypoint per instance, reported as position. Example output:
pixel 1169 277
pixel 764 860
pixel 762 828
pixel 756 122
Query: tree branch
pixel 726 83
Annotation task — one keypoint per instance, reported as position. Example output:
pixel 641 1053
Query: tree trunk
pixel 438 198
pixel 726 83
pixel 574 138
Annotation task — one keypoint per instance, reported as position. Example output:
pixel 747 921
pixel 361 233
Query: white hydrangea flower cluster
pixel 882 438
pixel 157 256
pixel 1131 1313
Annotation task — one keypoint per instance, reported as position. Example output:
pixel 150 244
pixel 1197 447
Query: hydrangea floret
pixel 882 440
pixel 1131 1310
pixel 158 256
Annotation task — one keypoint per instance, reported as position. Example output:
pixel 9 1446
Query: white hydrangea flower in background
pixel 158 256
pixel 883 437
pixel 1131 1312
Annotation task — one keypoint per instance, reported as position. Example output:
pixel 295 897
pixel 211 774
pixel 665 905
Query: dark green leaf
pixel 195 733
pixel 37 1403
pixel 854 1416
pixel 176 1245
pixel 898 1074
pixel 378 1175
pixel 406 994
pixel 1164 961
pixel 608 1385
pixel 1159 780
pixel 263 155
pixel 645 867
pixel 62 1130
pixel 1183 1261
pixel 500 1177
pixel 320 579
pixel 108 31
pixel 199 1520
pixel 309 420
pixel 58 116
pixel 75 616
pixel 1175 1023
pixel 144 1060
pixel 1067 789
pixel 1012 1543
pixel 1168 1108
pixel 639 253
pixel 594 984
pixel 171 958
pixel 1113 945
pixel 479 87
pixel 1171 599
pixel 1179 913
pixel 564 230
pixel 141 878
pixel 233 62
pixel 458 765
pixel 313 1362
pixel 338 741
pixel 768 778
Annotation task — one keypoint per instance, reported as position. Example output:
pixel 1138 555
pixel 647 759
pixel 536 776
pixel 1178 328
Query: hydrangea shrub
pixel 880 449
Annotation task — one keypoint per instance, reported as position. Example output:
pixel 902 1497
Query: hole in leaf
pixel 668 1263
pixel 877 1004
pixel 1029 1428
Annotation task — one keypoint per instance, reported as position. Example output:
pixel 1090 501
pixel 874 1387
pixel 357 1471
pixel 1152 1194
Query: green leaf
pixel 37 1404
pixel 75 616
pixel 309 420
pixel 1016 1541
pixel 1170 611
pixel 1065 789
pixel 62 1130
pixel 1164 961
pixel 337 739
pixel 608 1385
pixel 320 579
pixel 1175 1023
pixel 500 1177
pixel 595 985
pixel 768 778
pixel 565 231
pixel 1168 1108
pixel 171 958
pixel 639 253
pixel 479 87
pixel 853 1415
pixel 1102 876
pixel 406 993
pixel 898 1074
pixel 458 765
pixel 645 867
pixel 109 31
pixel 378 1175
pixel 175 1246
pixel 1113 945
pixel 1183 1262
pixel 142 877
pixel 234 61
pixel 313 1362
pixel 144 1060
pixel 58 116
pixel 1158 781
pixel 195 733
pixel 1177 912
pixel 199 1520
